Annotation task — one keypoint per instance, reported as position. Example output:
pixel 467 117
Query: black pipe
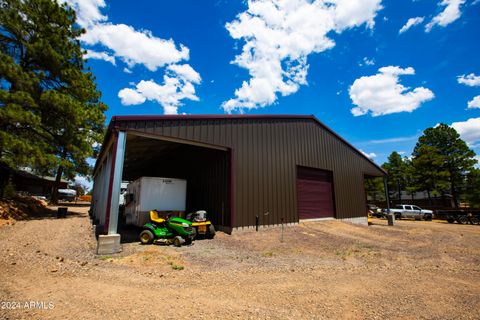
pixel 387 198
pixel 256 222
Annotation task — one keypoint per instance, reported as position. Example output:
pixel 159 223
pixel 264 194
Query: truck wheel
pixel 146 237
pixel 428 217
pixel 398 216
pixel 462 219
pixel 211 232
pixel 177 241
pixel 474 220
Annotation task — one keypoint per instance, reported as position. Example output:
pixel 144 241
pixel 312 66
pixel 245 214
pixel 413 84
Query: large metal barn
pixel 243 169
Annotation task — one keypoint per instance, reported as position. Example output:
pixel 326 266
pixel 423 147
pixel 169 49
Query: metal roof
pixel 115 119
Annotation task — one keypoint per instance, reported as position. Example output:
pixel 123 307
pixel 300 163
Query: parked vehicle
pixel 460 216
pixel 375 211
pixel 201 224
pixel 410 211
pixel 167 230
pixel 67 194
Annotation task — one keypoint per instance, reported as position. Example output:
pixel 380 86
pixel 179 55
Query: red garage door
pixel 314 193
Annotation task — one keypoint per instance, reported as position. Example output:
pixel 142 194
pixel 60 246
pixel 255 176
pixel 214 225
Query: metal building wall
pixel 100 189
pixel 266 152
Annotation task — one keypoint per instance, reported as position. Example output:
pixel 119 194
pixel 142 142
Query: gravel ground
pixel 323 270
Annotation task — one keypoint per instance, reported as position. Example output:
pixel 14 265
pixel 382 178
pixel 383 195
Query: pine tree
pixel 472 192
pixel 50 109
pixel 456 158
pixel 396 169
pixel 428 171
pixel 374 189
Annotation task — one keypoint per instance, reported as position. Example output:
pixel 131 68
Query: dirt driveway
pixel 323 270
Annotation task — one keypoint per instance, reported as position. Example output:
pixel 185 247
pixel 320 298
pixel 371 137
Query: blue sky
pixel 345 62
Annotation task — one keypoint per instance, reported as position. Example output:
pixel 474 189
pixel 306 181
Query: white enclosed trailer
pixel 154 193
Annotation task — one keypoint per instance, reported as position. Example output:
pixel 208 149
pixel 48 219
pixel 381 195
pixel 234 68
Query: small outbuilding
pixel 242 169
pixel 28 182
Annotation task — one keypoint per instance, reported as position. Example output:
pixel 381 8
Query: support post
pixel 390 216
pixel 110 243
pixel 117 165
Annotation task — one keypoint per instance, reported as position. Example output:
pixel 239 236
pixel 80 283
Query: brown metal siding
pixel 265 154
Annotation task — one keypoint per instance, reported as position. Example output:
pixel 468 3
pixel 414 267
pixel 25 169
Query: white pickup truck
pixel 410 211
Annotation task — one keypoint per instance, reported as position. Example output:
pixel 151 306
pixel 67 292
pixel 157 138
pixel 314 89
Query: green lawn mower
pixel 169 230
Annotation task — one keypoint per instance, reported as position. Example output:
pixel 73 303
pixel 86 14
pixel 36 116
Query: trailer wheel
pixel 146 237
pixel 462 219
pixel 450 220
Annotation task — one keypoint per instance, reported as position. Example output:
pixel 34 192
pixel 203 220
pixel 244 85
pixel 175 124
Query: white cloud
pixel 100 56
pixel 448 15
pixel 367 62
pixel 135 47
pixel 382 93
pixel 130 97
pixel 474 103
pixel 370 155
pixel 177 85
pixel 138 47
pixel 132 46
pixel 88 11
pixel 349 14
pixel 279 36
pixel 469 130
pixel 185 72
pixel 391 140
pixel 470 80
pixel 411 23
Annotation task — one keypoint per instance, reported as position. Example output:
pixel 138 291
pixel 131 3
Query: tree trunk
pixel 58 179
pixel 56 186
pixel 399 193
pixel 429 198
pixel 454 193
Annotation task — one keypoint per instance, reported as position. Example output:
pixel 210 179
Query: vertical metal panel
pixel 102 196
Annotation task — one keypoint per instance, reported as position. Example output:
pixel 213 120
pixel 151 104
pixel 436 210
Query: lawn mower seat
pixel 155 218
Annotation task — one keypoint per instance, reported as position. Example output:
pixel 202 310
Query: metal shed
pixel 281 168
